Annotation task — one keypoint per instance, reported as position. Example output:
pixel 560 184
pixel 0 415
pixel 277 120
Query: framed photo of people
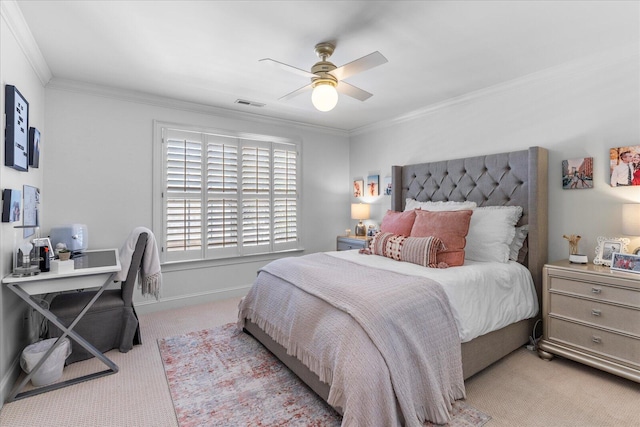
pixel 626 262
pixel 625 166
pixel 16 144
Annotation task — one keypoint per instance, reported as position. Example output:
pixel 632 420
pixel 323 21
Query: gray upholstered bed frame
pixel 517 178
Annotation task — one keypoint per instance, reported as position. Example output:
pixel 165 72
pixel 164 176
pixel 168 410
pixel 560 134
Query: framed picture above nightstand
pixel 347 243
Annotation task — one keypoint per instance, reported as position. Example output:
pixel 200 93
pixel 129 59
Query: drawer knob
pixel 596 290
pixel 596 312
pixel 596 339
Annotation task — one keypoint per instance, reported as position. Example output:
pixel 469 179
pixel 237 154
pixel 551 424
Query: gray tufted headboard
pixel 517 178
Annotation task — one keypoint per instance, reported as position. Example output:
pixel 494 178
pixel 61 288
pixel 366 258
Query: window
pixel 226 195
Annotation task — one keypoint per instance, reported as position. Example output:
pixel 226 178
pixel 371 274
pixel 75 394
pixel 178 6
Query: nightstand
pixel 592 315
pixel 345 243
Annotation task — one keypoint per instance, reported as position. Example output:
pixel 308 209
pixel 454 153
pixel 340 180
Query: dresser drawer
pixel 343 246
pixel 610 316
pixel 608 344
pixel 596 290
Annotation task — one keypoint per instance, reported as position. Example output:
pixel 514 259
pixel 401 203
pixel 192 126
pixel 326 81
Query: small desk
pixel 92 269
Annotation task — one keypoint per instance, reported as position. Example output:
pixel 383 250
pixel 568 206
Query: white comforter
pixel 484 296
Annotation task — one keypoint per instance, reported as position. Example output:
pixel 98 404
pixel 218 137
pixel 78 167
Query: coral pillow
pixel 398 222
pixel 449 226
pixel 416 250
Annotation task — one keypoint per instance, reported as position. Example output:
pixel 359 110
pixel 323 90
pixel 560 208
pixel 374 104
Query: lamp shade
pixel 324 97
pixel 631 219
pixel 360 211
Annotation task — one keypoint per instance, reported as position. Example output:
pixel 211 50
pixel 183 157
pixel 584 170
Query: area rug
pixel 222 377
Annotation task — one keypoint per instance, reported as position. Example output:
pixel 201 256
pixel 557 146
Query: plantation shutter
pixel 226 196
pixel 222 189
pixel 183 207
pixel 256 195
pixel 285 200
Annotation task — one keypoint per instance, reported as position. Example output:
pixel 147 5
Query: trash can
pixel 51 369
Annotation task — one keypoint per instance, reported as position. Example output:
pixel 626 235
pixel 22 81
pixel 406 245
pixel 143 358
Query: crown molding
pixel 160 101
pixel 583 65
pixel 12 15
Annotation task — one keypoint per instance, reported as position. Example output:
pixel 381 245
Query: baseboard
pixel 9 380
pixel 150 306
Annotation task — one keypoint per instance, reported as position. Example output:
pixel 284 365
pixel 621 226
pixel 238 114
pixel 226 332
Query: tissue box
pixel 58 266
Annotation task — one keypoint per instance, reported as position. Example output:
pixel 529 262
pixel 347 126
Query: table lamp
pixel 360 211
pixel 631 221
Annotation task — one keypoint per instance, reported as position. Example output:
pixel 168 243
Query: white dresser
pixel 592 315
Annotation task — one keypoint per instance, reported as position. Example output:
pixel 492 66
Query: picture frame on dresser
pixel 626 262
pixel 607 246
pixel 16 142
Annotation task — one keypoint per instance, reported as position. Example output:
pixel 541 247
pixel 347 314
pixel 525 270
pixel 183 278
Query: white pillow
pixel 518 241
pixel 491 231
pixel 411 204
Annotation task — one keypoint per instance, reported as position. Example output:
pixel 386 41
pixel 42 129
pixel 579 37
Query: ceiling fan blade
pixel 353 91
pixel 359 65
pixel 287 67
pixel 295 93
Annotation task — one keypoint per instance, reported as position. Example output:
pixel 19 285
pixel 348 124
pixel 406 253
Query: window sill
pixel 169 266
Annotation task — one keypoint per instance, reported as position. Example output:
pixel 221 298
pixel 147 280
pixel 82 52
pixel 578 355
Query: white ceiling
pixel 207 52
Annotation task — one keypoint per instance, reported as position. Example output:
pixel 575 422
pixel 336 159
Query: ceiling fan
pixel 327 79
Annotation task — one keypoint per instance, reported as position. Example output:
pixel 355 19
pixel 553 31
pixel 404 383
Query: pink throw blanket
pixel 375 336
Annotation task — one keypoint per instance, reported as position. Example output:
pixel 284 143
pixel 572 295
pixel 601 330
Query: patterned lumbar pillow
pixel 416 250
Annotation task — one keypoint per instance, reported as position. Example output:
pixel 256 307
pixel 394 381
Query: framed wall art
pixel 626 262
pixel 34 147
pixel 373 185
pixel 358 188
pixel 387 186
pixel 577 173
pixel 11 205
pixel 607 246
pixel 30 212
pixel 625 166
pixel 16 143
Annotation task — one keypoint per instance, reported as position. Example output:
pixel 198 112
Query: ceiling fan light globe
pixel 324 97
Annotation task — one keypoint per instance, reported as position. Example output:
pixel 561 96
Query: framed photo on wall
pixel 30 212
pixel 577 173
pixel 358 188
pixel 373 185
pixel 34 147
pixel 16 143
pixel 11 205
pixel 625 166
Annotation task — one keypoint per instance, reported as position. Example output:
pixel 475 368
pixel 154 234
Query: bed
pixel 516 178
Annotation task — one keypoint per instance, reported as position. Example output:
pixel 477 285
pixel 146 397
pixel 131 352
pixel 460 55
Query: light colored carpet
pixel 520 390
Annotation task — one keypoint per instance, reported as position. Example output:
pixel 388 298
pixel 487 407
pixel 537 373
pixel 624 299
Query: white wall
pixel 17 70
pixel 578 110
pixel 100 173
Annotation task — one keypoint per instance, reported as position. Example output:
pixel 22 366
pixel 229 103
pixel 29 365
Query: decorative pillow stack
pixel 491 233
pixel 416 250
pixel 398 222
pixel 449 226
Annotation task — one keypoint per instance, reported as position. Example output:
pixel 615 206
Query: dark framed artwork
pixel 34 147
pixel 16 143
pixel 577 173
pixel 11 205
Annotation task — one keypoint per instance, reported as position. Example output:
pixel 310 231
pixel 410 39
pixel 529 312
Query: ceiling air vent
pixel 251 103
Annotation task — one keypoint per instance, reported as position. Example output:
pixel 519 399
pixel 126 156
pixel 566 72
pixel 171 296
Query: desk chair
pixel 111 322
